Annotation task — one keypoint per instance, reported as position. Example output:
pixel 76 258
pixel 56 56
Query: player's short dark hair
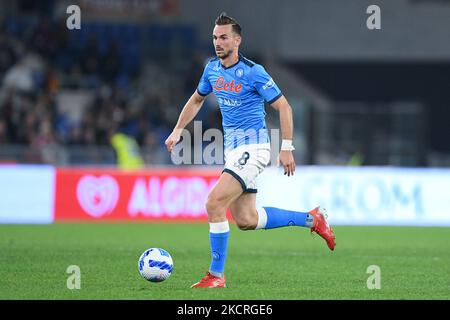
pixel 223 20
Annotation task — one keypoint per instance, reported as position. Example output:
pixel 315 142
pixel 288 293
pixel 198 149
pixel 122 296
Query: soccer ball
pixel 155 265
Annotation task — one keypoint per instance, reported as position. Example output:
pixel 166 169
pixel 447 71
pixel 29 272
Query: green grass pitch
pixel 275 264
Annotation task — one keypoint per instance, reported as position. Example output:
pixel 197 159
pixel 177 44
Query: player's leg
pixel 221 196
pixel 244 210
pixel 226 190
pixel 248 217
pixel 245 164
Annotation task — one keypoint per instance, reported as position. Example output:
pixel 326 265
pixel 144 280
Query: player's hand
pixel 286 159
pixel 173 139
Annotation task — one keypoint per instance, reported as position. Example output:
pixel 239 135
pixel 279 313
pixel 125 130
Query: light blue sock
pixel 218 236
pixel 270 218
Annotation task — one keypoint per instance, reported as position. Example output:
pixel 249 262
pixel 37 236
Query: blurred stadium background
pixel 371 109
pixel 383 94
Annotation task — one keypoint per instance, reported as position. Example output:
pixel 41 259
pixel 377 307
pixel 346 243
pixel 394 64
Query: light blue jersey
pixel 241 90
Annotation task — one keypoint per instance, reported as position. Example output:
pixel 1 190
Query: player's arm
pixel 285 157
pixel 190 110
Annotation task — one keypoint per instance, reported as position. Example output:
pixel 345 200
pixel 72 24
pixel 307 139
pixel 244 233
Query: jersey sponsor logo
pixel 222 85
pixel 229 102
pixel 268 85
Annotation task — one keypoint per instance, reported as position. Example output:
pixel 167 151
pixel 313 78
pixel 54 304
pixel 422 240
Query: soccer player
pixel 241 87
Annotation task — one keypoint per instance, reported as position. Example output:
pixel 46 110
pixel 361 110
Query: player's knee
pixel 214 205
pixel 245 223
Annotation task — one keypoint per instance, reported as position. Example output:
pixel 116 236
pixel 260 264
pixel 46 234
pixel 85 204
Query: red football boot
pixel 322 228
pixel 210 281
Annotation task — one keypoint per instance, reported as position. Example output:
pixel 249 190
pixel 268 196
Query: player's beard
pixel 224 54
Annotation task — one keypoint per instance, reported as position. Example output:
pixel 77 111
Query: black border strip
pixel 226 309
